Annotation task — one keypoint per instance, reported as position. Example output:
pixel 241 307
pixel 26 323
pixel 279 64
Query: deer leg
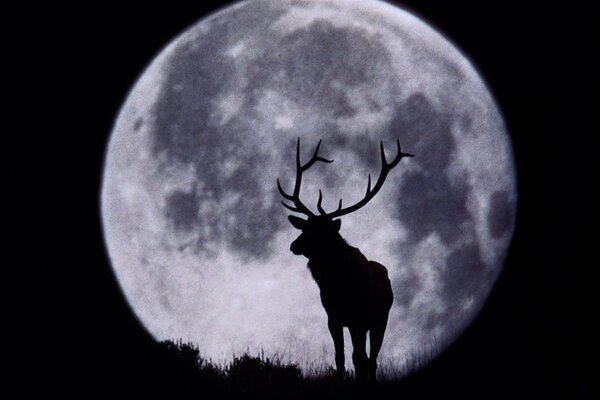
pixel 359 353
pixel 376 339
pixel 337 334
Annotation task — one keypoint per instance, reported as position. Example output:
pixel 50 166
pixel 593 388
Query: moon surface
pixel 192 218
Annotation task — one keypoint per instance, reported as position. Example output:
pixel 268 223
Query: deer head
pixel 320 231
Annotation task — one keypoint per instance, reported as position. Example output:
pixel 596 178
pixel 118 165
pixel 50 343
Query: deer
pixel 355 292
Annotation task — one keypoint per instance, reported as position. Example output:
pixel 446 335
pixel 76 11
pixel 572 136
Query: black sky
pixel 529 338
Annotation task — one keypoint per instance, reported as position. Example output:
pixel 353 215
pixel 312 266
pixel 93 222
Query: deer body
pixel 355 292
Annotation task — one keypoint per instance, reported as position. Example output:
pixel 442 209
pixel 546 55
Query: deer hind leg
pixel 376 339
pixel 359 353
pixel 337 334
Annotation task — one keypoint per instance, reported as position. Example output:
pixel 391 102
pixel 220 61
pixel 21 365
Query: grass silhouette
pixel 257 375
pixel 177 370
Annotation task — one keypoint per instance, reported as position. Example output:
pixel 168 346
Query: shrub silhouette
pixel 190 373
pixel 261 375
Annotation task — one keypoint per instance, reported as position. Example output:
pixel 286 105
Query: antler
pixel 385 169
pixel 295 197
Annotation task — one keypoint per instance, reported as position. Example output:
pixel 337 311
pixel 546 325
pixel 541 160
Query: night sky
pixel 528 338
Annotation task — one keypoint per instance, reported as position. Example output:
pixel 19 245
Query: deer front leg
pixel 337 334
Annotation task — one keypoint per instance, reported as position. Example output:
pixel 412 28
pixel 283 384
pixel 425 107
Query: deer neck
pixel 325 263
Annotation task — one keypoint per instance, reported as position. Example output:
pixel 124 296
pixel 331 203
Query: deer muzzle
pixel 296 248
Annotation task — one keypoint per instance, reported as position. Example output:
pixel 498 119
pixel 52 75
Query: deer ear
pixel 296 222
pixel 337 224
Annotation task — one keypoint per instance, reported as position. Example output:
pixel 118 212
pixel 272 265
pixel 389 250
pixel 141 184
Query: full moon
pixel 193 223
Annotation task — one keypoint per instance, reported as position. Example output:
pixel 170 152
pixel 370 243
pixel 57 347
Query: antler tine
pixel 339 206
pixel 385 169
pixel 319 207
pixel 287 197
pixel 399 156
pixel 295 196
pixel 315 158
pixel 291 208
pixel 283 193
pixel 298 170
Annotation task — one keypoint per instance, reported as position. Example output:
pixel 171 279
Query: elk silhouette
pixel 355 292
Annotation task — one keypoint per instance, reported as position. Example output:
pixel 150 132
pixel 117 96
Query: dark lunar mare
pixel 355 292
